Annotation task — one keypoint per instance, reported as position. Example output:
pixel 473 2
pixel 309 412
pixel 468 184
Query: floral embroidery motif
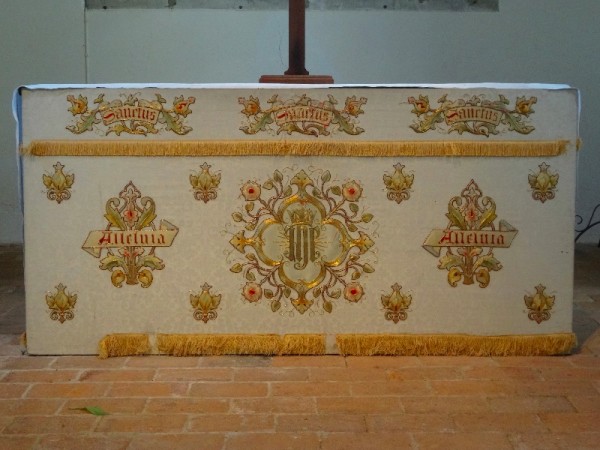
pixel 396 304
pixel 131 238
pixel 475 115
pixel 58 184
pixel 131 116
pixel 398 184
pixel 61 304
pixel 539 304
pixel 302 115
pixel 470 230
pixel 205 304
pixel 205 184
pixel 543 184
pixel 306 246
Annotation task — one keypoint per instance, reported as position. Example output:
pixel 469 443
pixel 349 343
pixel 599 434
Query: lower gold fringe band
pixel 123 345
pixel 295 148
pixel 455 345
pixel 242 344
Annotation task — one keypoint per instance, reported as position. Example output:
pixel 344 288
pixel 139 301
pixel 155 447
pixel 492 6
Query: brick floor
pixel 305 403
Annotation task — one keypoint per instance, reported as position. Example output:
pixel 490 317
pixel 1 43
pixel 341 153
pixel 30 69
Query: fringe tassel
pixel 455 345
pixel 295 148
pixel 303 344
pixel 218 344
pixel 123 345
pixel 240 344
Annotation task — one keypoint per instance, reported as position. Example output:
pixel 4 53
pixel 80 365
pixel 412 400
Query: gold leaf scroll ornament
pixel 539 304
pixel 58 184
pixel 61 304
pixel 205 304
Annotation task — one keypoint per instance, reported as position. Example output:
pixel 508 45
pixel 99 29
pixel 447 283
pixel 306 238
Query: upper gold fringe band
pixel 123 345
pixel 455 345
pixel 242 344
pixel 295 148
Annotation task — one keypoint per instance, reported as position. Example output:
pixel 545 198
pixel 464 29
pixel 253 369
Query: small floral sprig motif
pixel 58 184
pixel 304 246
pixel 396 304
pixel 302 115
pixel 476 115
pixel 398 184
pixel 205 304
pixel 539 304
pixel 61 304
pixel 131 116
pixel 543 183
pixel 205 183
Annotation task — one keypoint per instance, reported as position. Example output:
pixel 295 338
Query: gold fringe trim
pixel 239 344
pixel 303 344
pixel 123 345
pixel 295 148
pixel 455 344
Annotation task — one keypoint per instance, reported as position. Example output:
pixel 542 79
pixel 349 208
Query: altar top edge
pixel 490 85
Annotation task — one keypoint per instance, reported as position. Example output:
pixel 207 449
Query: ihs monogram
pixel 306 246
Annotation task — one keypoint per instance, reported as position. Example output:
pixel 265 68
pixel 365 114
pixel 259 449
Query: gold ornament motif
pixel 470 230
pixel 205 184
pixel 302 115
pixel 61 304
pixel 205 304
pixel 539 304
pixel 306 247
pixel 396 304
pixel 131 116
pixel 475 115
pixel 130 238
pixel 58 184
pixel 398 184
pixel 543 183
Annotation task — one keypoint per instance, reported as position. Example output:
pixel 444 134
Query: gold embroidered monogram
pixel 306 246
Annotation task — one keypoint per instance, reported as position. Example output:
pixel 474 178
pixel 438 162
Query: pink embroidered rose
pixel 353 292
pixel 252 292
pixel 250 191
pixel 351 191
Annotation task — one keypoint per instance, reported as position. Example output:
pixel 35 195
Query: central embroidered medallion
pixel 307 246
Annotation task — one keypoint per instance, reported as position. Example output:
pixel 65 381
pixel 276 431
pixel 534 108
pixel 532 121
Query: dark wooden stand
pixel 296 73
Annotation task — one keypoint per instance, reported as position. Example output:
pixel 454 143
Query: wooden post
pixel 296 72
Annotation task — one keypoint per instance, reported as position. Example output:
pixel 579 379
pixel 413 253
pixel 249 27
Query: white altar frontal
pixel 298 219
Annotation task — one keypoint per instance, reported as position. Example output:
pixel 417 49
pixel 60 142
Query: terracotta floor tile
pixel 187 405
pixel 156 423
pixel 27 362
pixel 274 405
pixel 156 362
pixel 87 362
pixel 210 389
pixel 12 390
pixel 234 361
pixel 463 441
pixel 493 421
pixel 17 442
pixel 571 422
pixel 530 404
pixel 76 442
pixel 67 390
pixel 209 423
pixel 570 373
pixel 271 374
pixel 445 404
pixel 109 405
pixel 187 441
pixel 473 387
pixel 502 373
pixel 321 422
pixel 148 389
pixel 195 374
pixel 432 422
pixel 50 424
pixel 40 376
pixel 272 441
pixel 383 362
pixel 122 374
pixel 338 373
pixel 586 404
pixel 309 361
pixel 557 441
pixel 29 407
pixel 362 441
pixel 408 387
pixel 424 373
pixel 310 389
pixel 358 405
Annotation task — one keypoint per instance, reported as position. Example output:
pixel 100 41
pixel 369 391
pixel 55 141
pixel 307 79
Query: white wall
pixel 552 41
pixel 41 41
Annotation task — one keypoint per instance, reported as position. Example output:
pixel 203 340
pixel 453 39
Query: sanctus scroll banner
pixel 254 219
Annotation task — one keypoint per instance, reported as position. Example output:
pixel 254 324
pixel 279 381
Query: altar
pixel 297 219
